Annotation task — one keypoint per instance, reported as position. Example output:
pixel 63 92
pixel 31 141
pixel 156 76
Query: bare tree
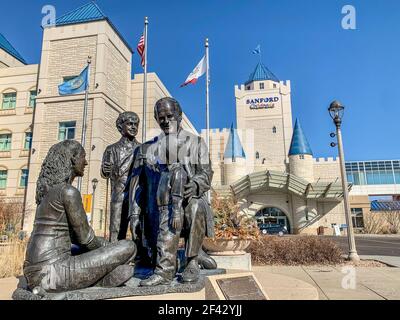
pixel 393 220
pixel 373 223
pixel 10 215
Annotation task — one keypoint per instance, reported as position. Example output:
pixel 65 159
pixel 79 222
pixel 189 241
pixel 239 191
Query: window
pixel 262 86
pixel 306 213
pixel 32 98
pixel 274 85
pixel 5 142
pixel 257 155
pixel 28 141
pixel 301 156
pixel 3 179
pixel 23 183
pixel 67 131
pixel 357 217
pixel 9 101
pixel 248 88
pixel 274 130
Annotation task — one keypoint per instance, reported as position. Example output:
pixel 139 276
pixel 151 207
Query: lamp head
pixel 336 110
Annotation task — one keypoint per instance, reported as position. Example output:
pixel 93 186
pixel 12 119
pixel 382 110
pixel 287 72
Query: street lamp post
pixel 94 185
pixel 336 111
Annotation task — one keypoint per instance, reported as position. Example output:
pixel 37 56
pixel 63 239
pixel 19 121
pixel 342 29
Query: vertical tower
pixel 83 32
pixel 300 155
pixel 234 158
pixel 263 104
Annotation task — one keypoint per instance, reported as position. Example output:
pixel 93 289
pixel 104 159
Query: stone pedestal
pixel 233 262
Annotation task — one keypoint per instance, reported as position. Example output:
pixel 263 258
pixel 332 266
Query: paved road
pixel 370 245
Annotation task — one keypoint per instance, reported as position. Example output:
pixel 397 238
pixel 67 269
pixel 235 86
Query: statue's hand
pixel 134 224
pixel 107 167
pixel 190 190
pixel 177 221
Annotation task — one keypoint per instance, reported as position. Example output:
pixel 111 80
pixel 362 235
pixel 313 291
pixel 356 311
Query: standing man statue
pixel 163 225
pixel 116 165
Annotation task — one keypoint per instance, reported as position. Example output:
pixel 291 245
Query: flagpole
pixel 207 95
pixel 146 23
pixel 208 105
pixel 85 112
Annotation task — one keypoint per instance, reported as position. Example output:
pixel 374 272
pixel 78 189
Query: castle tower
pixel 234 159
pixel 300 155
pixel 263 105
pixel 86 31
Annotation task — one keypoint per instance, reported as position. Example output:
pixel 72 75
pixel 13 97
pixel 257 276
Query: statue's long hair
pixel 57 167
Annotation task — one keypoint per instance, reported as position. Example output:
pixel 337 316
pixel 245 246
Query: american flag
pixel 141 49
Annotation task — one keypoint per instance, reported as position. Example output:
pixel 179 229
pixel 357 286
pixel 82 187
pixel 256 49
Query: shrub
pixel 296 250
pixel 230 222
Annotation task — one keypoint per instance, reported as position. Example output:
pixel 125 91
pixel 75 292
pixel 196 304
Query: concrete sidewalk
pixel 371 283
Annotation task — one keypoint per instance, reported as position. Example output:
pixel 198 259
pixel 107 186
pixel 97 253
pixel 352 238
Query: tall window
pixel 28 141
pixel 9 101
pixel 66 130
pixel 3 179
pixel 23 183
pixel 257 155
pixel 357 217
pixel 32 98
pixel 274 130
pixel 5 142
pixel 262 86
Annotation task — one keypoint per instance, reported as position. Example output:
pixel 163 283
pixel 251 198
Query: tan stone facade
pixel 16 123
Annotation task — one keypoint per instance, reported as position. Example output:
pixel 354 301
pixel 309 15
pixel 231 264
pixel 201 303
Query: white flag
pixel 199 71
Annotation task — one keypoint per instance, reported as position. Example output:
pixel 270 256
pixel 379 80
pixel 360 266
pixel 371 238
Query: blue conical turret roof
pixel 234 148
pixel 299 144
pixel 261 72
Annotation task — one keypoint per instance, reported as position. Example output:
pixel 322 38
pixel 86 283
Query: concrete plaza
pixel 297 283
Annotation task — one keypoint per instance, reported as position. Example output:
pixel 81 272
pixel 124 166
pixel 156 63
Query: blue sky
pixel 302 41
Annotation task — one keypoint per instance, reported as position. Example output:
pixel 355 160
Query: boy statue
pixel 116 165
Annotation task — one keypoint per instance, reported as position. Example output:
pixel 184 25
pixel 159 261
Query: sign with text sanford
pixel 262 103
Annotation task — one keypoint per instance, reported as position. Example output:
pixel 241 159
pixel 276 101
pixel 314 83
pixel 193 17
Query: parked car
pixel 273 229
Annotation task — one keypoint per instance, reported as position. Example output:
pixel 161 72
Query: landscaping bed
pixel 293 251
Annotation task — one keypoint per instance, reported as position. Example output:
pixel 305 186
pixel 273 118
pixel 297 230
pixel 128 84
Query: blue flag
pixel 257 50
pixel 76 85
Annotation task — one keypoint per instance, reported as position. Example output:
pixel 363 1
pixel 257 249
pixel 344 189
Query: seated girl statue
pixel 60 222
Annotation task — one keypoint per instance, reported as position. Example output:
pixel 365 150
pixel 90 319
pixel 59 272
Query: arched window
pixel 23 181
pixel 5 141
pixel 9 100
pixel 28 141
pixel 274 129
pixel 32 98
pixel 3 178
pixel 257 155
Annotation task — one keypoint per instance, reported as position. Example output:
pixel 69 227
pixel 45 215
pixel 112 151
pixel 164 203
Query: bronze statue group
pixel 158 191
